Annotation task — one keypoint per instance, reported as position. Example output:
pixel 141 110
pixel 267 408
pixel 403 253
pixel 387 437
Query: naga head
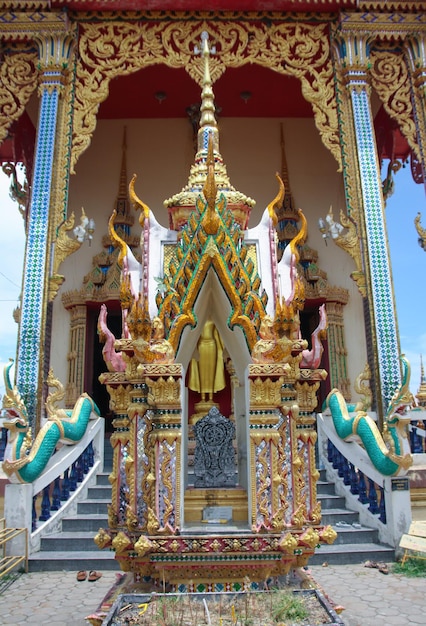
pixel 403 399
pixel 15 417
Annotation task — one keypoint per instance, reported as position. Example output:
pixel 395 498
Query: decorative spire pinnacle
pixel 207 98
pixel 208 123
pixel 421 394
pixel 182 204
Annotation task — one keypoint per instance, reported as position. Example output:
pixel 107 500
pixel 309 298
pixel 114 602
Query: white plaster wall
pixel 160 152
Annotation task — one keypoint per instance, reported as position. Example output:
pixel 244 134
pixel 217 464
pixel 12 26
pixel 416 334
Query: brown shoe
pixel 93 576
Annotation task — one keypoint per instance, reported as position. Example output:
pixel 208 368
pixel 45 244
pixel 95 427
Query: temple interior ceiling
pixel 248 91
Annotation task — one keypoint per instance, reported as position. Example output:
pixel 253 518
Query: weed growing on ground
pixel 413 568
pixel 287 606
pixel 271 608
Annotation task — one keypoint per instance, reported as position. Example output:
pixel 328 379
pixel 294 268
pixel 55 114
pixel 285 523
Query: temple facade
pixel 206 251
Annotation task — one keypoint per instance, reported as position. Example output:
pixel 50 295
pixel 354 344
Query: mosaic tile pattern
pixel 378 257
pixel 36 253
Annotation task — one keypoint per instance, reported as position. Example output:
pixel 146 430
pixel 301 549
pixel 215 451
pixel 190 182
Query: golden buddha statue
pixel 207 375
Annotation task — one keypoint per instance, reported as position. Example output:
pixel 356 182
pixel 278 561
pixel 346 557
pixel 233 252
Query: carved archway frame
pixel 112 49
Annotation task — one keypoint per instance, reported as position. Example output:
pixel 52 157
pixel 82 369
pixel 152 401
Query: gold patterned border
pixel 381 25
pixel 18 26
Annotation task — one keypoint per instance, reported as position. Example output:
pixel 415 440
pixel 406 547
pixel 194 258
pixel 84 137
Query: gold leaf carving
pixel 102 538
pixel 288 543
pixel 143 546
pixel 114 49
pixel 18 80
pixel 328 534
pixel 121 542
pixel 390 78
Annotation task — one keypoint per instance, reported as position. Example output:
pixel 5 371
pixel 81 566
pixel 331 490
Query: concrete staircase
pixel 354 543
pixel 74 548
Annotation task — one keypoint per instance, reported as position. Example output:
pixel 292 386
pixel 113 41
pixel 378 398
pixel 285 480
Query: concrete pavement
pixel 370 598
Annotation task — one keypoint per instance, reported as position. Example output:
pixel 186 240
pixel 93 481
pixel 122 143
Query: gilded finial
pixel 137 202
pixel 277 202
pixel 207 98
pixel 118 240
pixel 211 220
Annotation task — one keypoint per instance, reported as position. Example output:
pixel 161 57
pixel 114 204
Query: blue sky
pixel 408 263
pixel 409 267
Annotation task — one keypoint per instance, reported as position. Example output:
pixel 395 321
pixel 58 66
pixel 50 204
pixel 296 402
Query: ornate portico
pixel 323 78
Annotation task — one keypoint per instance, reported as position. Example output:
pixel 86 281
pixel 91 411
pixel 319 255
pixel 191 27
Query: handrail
pixel 351 450
pixel 66 456
pixel 384 504
pixel 59 469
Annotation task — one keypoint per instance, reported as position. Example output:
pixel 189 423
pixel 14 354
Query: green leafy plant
pixel 287 606
pixel 413 568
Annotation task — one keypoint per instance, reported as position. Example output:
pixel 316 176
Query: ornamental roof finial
pixel 207 97
pixel 181 204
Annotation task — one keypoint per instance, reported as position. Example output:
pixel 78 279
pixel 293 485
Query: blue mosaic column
pixel 353 52
pixel 54 52
pixel 416 48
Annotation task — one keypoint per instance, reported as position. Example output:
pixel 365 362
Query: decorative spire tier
pixel 183 203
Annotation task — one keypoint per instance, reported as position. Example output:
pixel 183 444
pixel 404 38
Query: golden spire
pixel 208 124
pixel 183 203
pixel 421 394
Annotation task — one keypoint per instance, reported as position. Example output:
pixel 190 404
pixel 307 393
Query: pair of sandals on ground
pixel 92 577
pixel 382 567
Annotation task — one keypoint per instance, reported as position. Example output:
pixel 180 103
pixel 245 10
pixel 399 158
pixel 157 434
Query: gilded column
pixel 416 48
pixel 274 480
pixel 353 53
pixel 55 50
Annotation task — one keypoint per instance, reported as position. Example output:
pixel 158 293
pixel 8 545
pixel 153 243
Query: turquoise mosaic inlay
pixel 381 284
pixel 36 255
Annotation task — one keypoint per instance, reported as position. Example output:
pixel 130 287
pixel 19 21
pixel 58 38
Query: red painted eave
pixel 311 6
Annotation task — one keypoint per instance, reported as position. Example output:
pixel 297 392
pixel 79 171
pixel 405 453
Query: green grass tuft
pixel 413 568
pixel 286 606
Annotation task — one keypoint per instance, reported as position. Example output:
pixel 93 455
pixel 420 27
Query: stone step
pixel 99 491
pixel 90 522
pixel 355 535
pixel 325 487
pixel 68 542
pixel 332 516
pixel 331 501
pixel 338 554
pixel 73 560
pixel 103 479
pixel 93 506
